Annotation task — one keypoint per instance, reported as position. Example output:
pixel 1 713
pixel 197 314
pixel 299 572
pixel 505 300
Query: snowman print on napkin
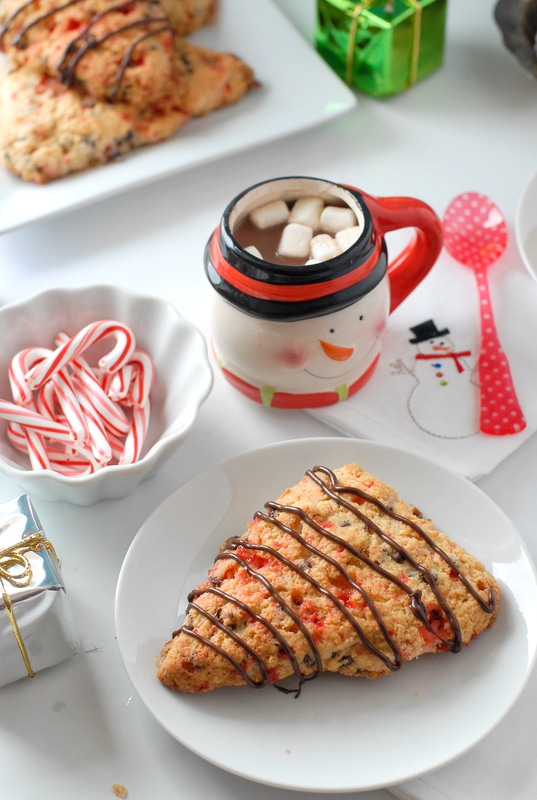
pixel 442 399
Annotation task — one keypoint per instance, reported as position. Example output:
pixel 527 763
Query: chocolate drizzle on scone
pixel 19 39
pixel 75 51
pixel 153 23
pixel 440 621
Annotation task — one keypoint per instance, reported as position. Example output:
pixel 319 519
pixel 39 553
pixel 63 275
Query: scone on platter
pixel 186 16
pixel 111 51
pixel 86 81
pixel 338 575
pixel 48 130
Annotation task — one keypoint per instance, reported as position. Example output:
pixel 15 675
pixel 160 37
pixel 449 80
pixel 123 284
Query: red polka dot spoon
pixel 475 234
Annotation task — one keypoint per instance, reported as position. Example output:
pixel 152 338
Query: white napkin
pixel 430 406
pixel 502 766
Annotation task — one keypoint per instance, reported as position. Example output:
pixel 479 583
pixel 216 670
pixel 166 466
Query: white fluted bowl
pixel 183 381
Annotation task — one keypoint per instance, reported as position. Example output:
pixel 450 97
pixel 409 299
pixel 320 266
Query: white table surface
pixel 78 728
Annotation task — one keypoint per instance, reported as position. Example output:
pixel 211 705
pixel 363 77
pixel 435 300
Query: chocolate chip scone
pixel 48 131
pixel 211 79
pixel 112 49
pixel 338 575
pixel 187 16
pixel 86 81
pixel 116 51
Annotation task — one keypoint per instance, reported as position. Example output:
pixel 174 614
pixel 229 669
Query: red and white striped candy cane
pixel 98 441
pixel 68 402
pixel 120 384
pixel 34 443
pixel 72 465
pixel 68 415
pixel 135 438
pixel 143 380
pixel 23 361
pixel 117 443
pixel 34 420
pixel 86 382
pixel 91 334
pixel 31 443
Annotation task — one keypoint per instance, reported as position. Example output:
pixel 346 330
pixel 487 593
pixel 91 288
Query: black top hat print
pixel 426 330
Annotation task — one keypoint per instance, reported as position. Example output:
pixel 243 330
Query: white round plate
pixel 526 226
pixel 341 734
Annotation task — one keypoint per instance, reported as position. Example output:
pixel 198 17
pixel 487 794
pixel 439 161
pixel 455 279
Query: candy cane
pixel 72 465
pixel 35 427
pixel 17 436
pixel 34 420
pixel 68 416
pixel 136 436
pixel 68 402
pixel 86 382
pixel 88 336
pixel 97 438
pixel 50 457
pixel 143 380
pixel 117 444
pixel 120 384
pixel 45 403
pixel 19 366
pixel 31 443
pixel 112 415
pixel 35 446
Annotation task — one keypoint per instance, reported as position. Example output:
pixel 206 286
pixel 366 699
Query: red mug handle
pixel 413 263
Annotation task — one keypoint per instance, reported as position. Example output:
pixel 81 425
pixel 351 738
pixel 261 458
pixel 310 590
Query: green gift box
pixel 381 48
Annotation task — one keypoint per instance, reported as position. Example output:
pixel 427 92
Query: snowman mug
pixel 310 335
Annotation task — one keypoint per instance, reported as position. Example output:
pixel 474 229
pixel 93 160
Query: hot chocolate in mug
pixel 303 287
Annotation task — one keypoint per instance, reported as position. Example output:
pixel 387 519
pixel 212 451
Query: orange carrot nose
pixel 335 352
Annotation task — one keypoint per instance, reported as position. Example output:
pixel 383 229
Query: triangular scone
pixel 338 575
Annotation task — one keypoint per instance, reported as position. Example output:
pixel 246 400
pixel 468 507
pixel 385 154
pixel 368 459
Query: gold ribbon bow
pixel 416 36
pixel 16 569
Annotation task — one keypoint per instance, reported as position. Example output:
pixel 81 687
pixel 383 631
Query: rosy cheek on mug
pixel 291 358
pixel 380 325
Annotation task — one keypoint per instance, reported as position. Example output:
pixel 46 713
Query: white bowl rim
pixel 522 229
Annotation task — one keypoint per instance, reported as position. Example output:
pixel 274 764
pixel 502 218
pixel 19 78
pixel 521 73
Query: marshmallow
pixel 253 250
pixel 307 211
pixel 336 218
pixel 270 214
pixel 323 247
pixel 348 236
pixel 295 241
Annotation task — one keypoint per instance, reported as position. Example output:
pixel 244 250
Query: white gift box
pixel 36 625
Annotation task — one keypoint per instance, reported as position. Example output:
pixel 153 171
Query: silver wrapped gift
pixel 36 626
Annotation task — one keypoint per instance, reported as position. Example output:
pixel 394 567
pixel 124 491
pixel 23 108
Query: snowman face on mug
pixel 312 355
pixel 303 287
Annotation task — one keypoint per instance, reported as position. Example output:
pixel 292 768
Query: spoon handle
pixel 499 410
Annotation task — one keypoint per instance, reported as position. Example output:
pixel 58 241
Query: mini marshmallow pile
pixel 313 230
pixel 74 418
